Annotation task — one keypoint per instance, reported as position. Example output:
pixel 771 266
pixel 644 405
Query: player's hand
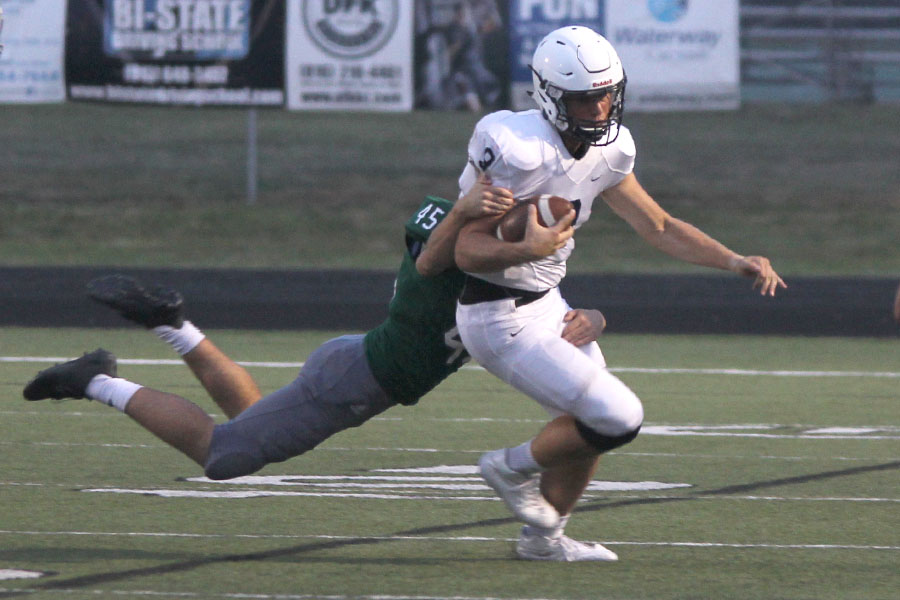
pixel 583 326
pixel 484 199
pixel 759 267
pixel 543 241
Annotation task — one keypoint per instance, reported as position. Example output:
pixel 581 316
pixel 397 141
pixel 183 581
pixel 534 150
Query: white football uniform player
pixel 511 316
pixel 512 320
pixel 521 343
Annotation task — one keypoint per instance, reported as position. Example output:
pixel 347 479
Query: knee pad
pixel 232 455
pixel 604 443
pixel 608 407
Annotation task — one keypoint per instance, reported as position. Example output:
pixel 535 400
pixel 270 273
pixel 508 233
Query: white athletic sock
pixel 182 340
pixel 520 459
pixel 549 532
pixel 111 391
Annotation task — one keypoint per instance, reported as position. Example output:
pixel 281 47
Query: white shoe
pixel 562 549
pixel 521 493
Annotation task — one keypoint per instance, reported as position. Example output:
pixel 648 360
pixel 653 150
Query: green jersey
pixel 418 345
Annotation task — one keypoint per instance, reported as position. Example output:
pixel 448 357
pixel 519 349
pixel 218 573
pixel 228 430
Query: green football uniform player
pixel 344 383
pixel 350 379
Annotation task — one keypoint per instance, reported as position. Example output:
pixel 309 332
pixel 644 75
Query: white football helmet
pixel 571 61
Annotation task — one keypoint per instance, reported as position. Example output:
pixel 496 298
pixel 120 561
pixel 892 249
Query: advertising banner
pixel 349 55
pixel 197 52
pixel 461 55
pixel 31 64
pixel 529 22
pixel 678 54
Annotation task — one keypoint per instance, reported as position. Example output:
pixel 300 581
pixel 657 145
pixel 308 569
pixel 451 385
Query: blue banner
pixel 529 22
pixel 192 52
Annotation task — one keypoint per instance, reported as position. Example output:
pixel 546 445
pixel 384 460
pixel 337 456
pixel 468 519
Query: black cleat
pixel 150 308
pixel 70 379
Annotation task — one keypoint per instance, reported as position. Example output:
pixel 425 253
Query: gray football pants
pixel 335 390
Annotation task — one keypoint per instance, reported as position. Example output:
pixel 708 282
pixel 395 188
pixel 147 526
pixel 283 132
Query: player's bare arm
pixel 479 251
pixel 583 326
pixel 682 240
pixel 482 200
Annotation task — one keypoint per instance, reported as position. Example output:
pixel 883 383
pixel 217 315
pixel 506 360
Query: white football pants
pixel 523 347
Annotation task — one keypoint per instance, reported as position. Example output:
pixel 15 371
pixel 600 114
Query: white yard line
pixel 427 538
pixel 406 488
pixel 406 492
pixel 19 574
pixel 403 494
pixel 644 370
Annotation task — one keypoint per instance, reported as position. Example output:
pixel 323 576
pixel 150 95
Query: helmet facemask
pixel 593 133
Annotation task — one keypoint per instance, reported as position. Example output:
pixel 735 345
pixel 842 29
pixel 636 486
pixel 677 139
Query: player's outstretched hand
pixel 583 326
pixel 485 199
pixel 759 267
pixel 544 241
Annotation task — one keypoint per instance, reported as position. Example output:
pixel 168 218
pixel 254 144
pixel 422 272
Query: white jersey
pixel 522 151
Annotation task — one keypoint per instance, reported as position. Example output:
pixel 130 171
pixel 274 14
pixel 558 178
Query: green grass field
pixel 815 187
pixel 774 460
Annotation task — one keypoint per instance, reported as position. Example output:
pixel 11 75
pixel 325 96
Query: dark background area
pixel 357 300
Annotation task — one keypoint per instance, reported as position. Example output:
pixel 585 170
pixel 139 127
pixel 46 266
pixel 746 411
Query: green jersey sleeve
pixel 418 345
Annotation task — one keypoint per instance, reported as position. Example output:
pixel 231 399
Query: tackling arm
pixel 680 239
pixel 482 200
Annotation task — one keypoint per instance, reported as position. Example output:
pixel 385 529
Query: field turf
pixel 767 468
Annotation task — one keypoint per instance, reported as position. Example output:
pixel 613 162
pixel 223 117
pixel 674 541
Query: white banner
pixel 349 55
pixel 678 54
pixel 31 65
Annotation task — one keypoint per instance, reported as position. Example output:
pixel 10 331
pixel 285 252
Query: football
pixel 550 209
